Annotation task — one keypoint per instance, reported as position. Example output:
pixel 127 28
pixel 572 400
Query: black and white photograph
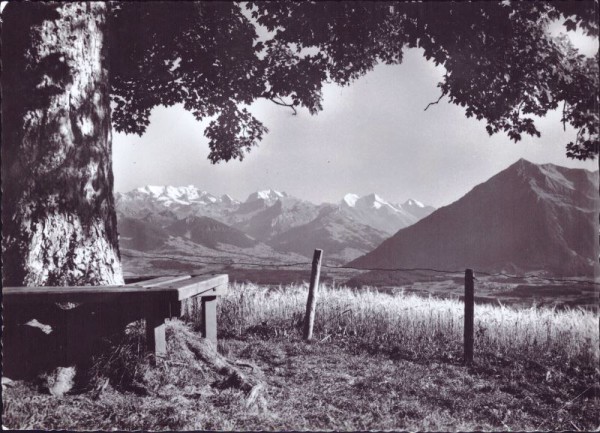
pixel 300 215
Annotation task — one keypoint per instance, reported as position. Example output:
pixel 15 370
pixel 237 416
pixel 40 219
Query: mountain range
pixel 151 217
pixel 526 218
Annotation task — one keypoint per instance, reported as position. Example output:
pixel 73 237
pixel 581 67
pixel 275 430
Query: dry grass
pixel 325 387
pixel 414 327
pixel 123 389
pixel 378 362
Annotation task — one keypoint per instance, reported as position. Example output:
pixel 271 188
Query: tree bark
pixel 58 214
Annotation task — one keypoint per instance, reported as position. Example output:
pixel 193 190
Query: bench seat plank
pixel 160 281
pixel 166 291
pixel 201 286
pixel 98 294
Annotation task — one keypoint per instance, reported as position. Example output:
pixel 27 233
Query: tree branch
pixel 564 119
pixel 433 103
pixel 578 135
pixel 519 108
pixel 284 104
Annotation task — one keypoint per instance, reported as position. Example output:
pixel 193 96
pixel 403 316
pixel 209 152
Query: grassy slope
pixel 378 362
pixel 325 386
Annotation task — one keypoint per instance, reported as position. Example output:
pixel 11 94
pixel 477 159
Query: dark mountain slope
pixel 338 235
pixel 526 218
pixel 141 235
pixel 209 232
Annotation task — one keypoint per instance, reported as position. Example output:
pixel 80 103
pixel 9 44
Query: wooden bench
pixel 155 299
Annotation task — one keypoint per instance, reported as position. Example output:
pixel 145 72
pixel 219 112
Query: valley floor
pixel 315 386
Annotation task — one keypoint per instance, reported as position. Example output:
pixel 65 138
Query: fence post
pixel 311 303
pixel 469 309
pixel 209 318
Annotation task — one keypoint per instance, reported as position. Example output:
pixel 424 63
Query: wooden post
pixel 209 318
pixel 311 303
pixel 156 340
pixel 469 309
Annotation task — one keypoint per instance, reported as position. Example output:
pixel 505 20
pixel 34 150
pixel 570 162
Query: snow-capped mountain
pixel 411 202
pixel 416 208
pixel 179 202
pixel 374 211
pixel 263 221
pixel 350 199
pixel 373 201
pixel 269 196
pixel 227 199
pixel 334 231
pixel 357 225
pixel 353 227
pixel 170 195
pixel 258 201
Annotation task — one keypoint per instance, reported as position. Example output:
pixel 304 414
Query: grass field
pixel 378 361
pixel 412 326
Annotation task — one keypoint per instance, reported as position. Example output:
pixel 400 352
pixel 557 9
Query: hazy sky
pixel 373 136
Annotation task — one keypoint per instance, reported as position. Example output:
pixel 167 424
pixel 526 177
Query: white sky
pixel 372 136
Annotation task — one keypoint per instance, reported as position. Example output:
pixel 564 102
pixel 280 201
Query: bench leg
pixel 209 318
pixel 155 335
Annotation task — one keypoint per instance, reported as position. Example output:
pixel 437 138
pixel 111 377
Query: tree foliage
pixel 501 62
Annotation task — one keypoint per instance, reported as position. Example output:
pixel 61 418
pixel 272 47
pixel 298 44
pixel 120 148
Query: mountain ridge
pixel 266 216
pixel 527 217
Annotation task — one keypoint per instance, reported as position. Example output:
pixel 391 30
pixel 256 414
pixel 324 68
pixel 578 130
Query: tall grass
pixel 410 326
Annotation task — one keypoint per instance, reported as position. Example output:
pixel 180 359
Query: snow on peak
pixel 173 192
pixel 372 200
pixel 411 202
pixel 176 194
pixel 377 201
pixel 191 192
pixel 267 195
pixel 226 198
pixel 350 199
pixel 151 190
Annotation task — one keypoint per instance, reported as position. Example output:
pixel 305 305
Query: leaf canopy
pixel 502 64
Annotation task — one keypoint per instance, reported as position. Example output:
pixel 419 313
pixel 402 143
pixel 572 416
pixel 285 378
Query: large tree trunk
pixel 59 221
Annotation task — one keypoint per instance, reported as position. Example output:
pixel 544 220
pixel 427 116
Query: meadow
pixel 378 360
pixel 410 325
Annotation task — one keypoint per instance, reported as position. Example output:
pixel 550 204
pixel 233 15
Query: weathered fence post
pixel 156 339
pixel 311 303
pixel 469 309
pixel 209 318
